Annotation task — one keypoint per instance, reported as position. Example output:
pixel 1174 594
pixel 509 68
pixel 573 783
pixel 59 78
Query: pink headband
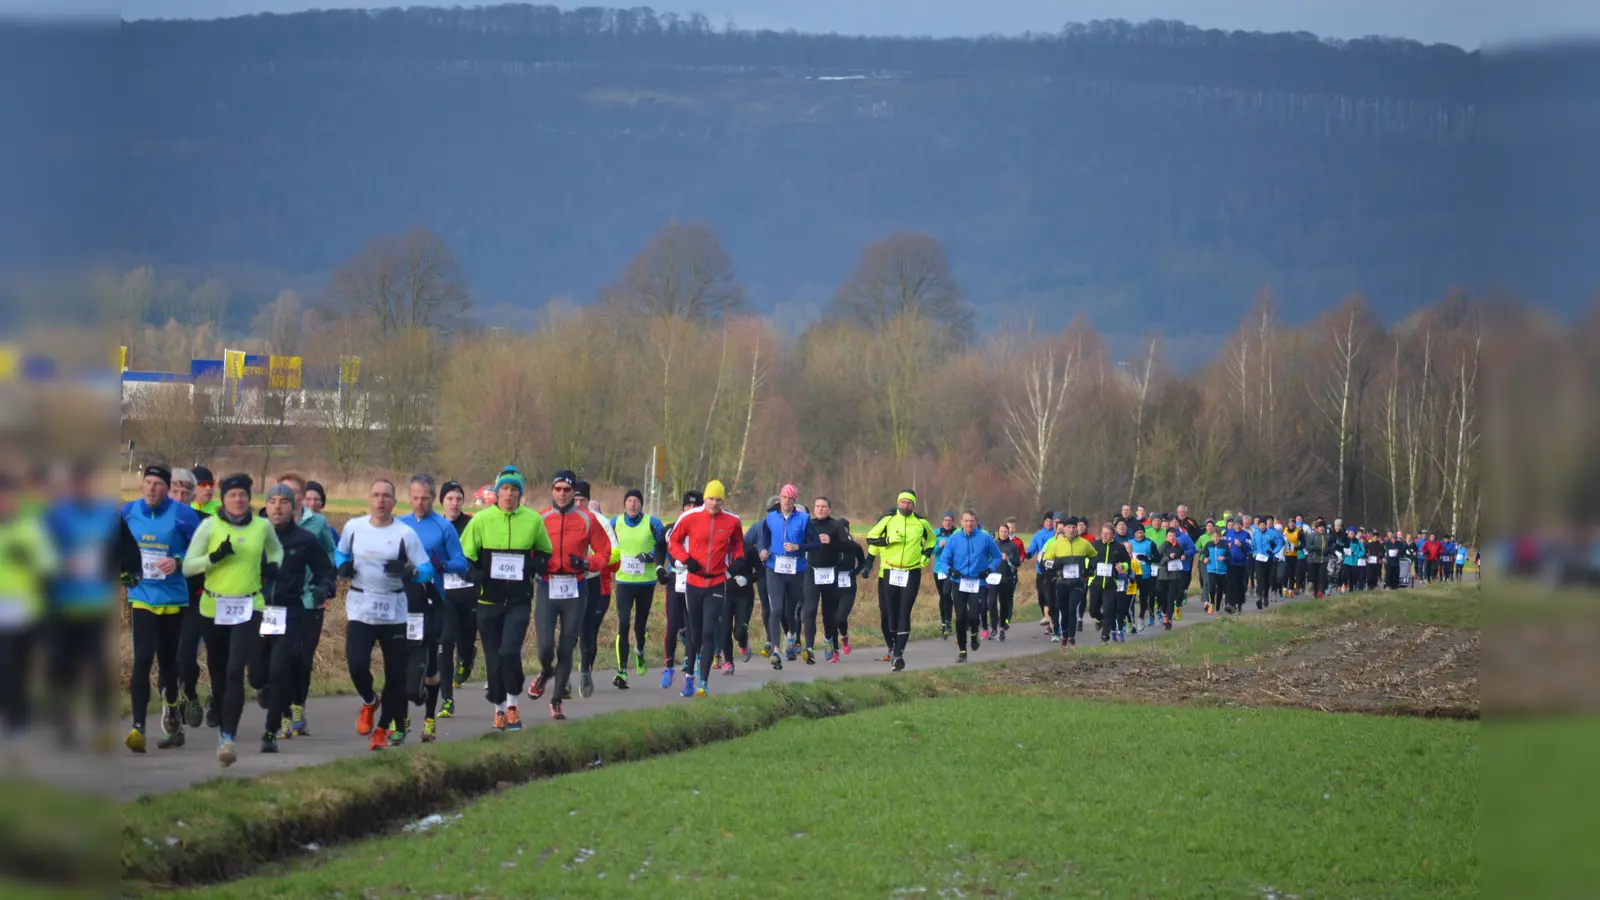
pixel 789 490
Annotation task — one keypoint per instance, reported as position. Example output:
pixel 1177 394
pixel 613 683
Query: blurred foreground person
pixel 27 562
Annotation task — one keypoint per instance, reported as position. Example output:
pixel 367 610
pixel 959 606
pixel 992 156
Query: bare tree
pixel 1349 329
pixel 279 323
pixel 1033 423
pixel 902 274
pixel 756 374
pixel 1464 409
pixel 1141 390
pixel 681 272
pixel 404 281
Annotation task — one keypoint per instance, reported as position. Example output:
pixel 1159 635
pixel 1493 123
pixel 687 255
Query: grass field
pixel 977 796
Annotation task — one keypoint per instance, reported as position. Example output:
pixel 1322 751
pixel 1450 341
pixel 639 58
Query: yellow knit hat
pixel 714 489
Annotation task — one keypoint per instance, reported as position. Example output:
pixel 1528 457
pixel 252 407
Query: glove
pixel 130 579
pixel 692 564
pixel 320 595
pixel 955 574
pixel 645 557
pixel 223 551
pixel 347 569
pixel 1049 564
pixel 879 541
pixel 577 562
pixel 269 571
pixel 538 561
pixel 661 576
pixel 740 580
pixel 928 553
pixel 396 567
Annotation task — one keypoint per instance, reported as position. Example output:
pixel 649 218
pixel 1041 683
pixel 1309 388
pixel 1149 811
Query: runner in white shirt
pixel 379 556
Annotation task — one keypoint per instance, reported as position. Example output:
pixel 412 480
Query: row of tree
pixel 892 388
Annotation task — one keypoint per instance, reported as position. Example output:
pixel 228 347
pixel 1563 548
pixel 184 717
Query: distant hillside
pixel 1144 173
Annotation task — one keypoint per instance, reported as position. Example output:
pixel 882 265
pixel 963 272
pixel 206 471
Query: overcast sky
pixel 1469 23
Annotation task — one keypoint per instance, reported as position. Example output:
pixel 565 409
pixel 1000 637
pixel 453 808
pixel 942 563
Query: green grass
pixel 54 840
pixel 971 797
pixel 1539 800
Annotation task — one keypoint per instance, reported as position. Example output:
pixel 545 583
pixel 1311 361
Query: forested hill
pixel 1140 172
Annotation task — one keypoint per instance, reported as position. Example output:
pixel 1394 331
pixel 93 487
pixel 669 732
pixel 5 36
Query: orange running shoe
pixel 499 720
pixel 365 717
pixel 513 719
pixel 380 739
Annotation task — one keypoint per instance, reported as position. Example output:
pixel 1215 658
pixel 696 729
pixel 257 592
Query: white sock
pixel 499 707
pixel 511 702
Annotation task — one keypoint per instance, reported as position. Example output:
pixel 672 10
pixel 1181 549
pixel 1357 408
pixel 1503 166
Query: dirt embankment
pixel 1364 667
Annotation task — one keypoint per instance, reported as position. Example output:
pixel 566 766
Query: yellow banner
pixel 284 374
pixel 233 365
pixel 10 360
pixel 123 366
pixel 349 369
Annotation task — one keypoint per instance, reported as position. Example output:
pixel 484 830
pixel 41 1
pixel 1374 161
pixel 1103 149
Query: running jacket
pixel 639 537
pixel 95 547
pixel 778 531
pixel 1317 546
pixel 973 556
pixel 442 543
pixel 575 531
pixel 1112 552
pixel 163 533
pixel 1036 544
pixel 818 554
pixel 1067 551
pixel 940 539
pixel 27 561
pixel 238 575
pixel 908 540
pixel 1239 545
pixel 1143 553
pixel 712 540
pixel 519 532
pixel 306 577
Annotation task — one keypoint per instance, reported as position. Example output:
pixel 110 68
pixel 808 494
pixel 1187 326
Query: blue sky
pixel 1469 23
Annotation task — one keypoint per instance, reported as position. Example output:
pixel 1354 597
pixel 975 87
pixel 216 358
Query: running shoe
pixel 514 718
pixel 460 677
pixel 369 711
pixel 170 720
pixel 269 743
pixel 135 739
pixel 833 657
pixel 944 631
pixel 790 653
pixel 888 658
pixel 380 739
pixel 984 634
pixel 1003 633
pixel 297 720
pixel 447 710
pixel 638 664
pixel 688 686
pixel 566 692
pixel 777 662
pixel 727 667
pixel 397 734
pixel 1166 623
pixel 700 689
pixel 499 720
pixel 620 680
pixel 744 654
pixel 962 658
pixel 586 683
pixel 171 741
pixel 667 674
pixel 899 663
pixel 766 651
pixel 811 658
pixel 844 642
pixel 536 689
pixel 193 714
pixel 430 731
pixel 284 732
pixel 225 752
pixel 212 721
pixel 556 713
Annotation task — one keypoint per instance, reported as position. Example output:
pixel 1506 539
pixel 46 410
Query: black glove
pixel 269 571
pixel 130 579
pixel 879 541
pixel 347 569
pixel 320 595
pixel 662 576
pixel 645 557
pixel 577 562
pixel 223 551
pixel 538 561
pixel 692 565
pixel 396 567
pixel 953 574
pixel 928 553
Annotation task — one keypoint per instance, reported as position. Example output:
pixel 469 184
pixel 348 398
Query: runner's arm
pixel 197 563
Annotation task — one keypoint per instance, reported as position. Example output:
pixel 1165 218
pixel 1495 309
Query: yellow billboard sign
pixel 349 369
pixel 284 373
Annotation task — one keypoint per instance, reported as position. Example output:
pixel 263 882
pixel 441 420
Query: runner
pixel 854 564
pixel 677 603
pixel 780 548
pixel 189 639
pixel 228 549
pixel 904 541
pixel 825 540
pixel 157 605
pixel 1169 561
pixel 424 672
pixel 1266 545
pixel 579 546
pixel 641 545
pixel 707 540
pixel 1216 571
pixel 1043 592
pixel 458 637
pixel 1003 595
pixel 741 604
pixel 380 557
pixel 96 549
pixel 597 594
pixel 1239 545
pixel 969 557
pixel 1110 563
pixel 204 492
pixel 947 527
pixel 315 500
pixel 311 636
pixel 506 543
pixel 28 562
pixel 303 584
pixel 1318 550
pixel 1142 549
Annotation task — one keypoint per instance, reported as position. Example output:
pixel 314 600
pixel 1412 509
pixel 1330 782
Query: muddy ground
pixel 1362 667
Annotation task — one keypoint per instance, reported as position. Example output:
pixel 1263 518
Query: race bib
pixel 681 583
pixel 362 606
pixel 454 582
pixel 414 626
pixel 1393 553
pixel 87 563
pixel 1361 563
pixel 938 576
pixel 741 581
pixel 1122 584
pixel 994 578
pixel 563 587
pixel 843 579
pixel 274 620
pixel 1070 572
pixel 1372 560
pixel 234 610
pixel 969 585
pixel 1174 565
pixel 1102 570
pixel 150 561
pixel 632 565
pixel 785 565
pixel 822 576
pixel 1261 557
pixel 899 577
pixel 507 566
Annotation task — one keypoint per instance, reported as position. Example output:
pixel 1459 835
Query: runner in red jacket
pixel 707 540
pixel 578 544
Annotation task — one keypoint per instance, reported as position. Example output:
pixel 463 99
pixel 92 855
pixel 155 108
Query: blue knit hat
pixel 510 475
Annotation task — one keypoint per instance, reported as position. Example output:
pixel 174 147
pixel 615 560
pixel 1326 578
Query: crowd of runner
pixel 207 562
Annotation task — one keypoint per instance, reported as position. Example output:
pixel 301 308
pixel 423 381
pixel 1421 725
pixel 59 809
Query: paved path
pixel 332 719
